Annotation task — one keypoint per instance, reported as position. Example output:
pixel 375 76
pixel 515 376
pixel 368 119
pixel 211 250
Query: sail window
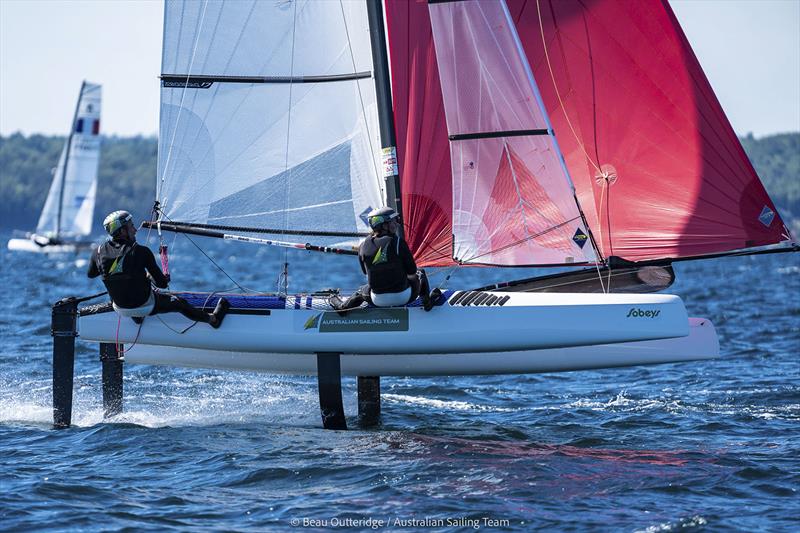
pixel 513 203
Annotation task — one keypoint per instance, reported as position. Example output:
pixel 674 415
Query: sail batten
pixel 495 134
pixel 196 81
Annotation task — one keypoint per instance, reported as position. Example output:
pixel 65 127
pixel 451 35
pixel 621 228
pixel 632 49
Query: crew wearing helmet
pixel 128 269
pixel 392 275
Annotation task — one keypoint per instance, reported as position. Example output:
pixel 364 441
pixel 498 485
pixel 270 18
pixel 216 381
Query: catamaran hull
pixel 27 245
pixel 523 321
pixel 701 343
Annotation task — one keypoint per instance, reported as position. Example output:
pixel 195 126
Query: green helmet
pixel 116 221
pixel 380 216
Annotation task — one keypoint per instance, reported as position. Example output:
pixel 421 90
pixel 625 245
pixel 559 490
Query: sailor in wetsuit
pixel 129 268
pixel 392 275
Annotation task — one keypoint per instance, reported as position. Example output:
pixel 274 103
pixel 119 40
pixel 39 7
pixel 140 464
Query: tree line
pixel 126 177
pixel 128 169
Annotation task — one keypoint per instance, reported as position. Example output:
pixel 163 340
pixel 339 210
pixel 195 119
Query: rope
pixel 450 271
pixel 520 241
pixel 558 93
pixel 120 350
pixel 596 165
pixel 600 236
pixel 212 261
pixel 187 328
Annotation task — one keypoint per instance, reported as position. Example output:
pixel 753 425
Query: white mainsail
pixel 69 207
pixel 268 115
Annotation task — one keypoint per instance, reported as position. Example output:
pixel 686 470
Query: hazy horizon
pixel 48 47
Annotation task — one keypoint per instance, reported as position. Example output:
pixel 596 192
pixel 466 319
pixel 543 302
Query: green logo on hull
pixel 360 320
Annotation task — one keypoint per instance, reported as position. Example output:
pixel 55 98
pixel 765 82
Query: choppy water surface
pixel 707 445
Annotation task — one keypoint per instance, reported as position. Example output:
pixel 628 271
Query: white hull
pixel 28 245
pixel 526 321
pixel 701 343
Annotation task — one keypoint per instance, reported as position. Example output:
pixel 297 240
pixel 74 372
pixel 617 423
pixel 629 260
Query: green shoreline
pixel 128 169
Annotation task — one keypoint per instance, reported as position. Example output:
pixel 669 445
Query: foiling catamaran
pixel 278 115
pixel 66 219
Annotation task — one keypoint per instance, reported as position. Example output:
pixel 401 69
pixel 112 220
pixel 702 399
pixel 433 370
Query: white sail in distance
pixel 513 203
pixel 69 207
pixel 268 115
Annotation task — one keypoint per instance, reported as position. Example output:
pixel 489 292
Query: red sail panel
pixel 423 150
pixel 525 213
pixel 628 100
pixel 541 233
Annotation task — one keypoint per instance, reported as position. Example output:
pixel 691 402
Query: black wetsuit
pixel 124 267
pixel 387 262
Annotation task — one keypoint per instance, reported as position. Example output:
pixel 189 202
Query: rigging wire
pixel 287 183
pixel 209 258
pixel 558 93
pixel 596 165
pixel 183 96
pixel 372 150
pixel 520 241
pixel 121 351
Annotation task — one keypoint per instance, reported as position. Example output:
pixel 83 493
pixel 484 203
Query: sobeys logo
pixel 359 320
pixel 642 313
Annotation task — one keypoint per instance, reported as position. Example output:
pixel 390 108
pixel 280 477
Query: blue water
pixel 708 445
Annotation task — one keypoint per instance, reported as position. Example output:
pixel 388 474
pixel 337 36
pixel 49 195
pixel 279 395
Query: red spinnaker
pixel 423 150
pixel 628 100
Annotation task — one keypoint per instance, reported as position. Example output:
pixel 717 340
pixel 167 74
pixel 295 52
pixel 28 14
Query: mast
pixel 383 90
pixel 66 160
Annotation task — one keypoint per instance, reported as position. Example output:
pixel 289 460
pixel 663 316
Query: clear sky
pixel 750 50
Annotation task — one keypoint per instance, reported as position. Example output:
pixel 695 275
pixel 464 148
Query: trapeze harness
pixel 122 267
pixel 387 262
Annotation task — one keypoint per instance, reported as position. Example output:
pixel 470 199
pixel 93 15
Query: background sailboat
pixel 66 218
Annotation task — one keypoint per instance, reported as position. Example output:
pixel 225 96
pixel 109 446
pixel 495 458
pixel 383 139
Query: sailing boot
pixel 424 290
pixel 433 299
pixel 335 301
pixel 216 318
pixel 355 300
